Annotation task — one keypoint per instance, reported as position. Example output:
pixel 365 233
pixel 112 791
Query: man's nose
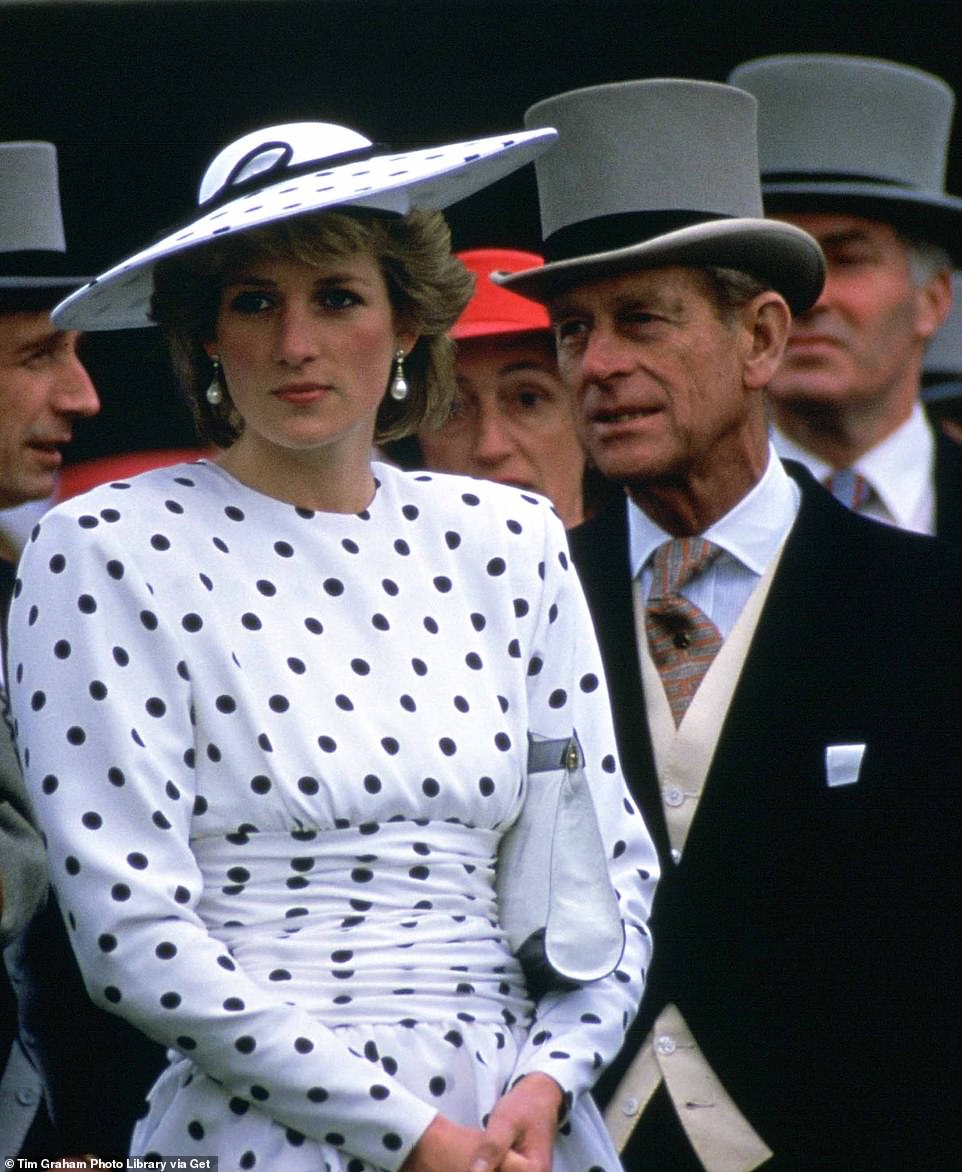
pixel 75 393
pixel 603 355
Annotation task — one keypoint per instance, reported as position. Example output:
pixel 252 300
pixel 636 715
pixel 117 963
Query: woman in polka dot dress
pixel 274 710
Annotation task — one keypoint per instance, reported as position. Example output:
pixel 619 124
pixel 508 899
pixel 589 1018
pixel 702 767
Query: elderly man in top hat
pixel 797 1014
pixel 89 1069
pixel 853 150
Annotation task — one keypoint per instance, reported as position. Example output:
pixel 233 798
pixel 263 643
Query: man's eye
pixel 850 257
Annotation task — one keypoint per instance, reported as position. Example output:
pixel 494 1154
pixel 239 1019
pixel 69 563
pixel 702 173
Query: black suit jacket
pixel 810 934
pixel 948 488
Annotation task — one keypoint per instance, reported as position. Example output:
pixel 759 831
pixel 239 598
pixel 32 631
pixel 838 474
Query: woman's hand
pixel 444 1146
pixel 521 1129
pixel 519 1136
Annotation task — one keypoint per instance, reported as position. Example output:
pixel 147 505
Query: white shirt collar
pixel 751 532
pixel 900 469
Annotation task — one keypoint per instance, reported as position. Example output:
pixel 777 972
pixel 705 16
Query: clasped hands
pixel 519 1136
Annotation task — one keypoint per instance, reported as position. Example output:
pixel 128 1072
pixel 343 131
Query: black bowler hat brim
pixel 921 215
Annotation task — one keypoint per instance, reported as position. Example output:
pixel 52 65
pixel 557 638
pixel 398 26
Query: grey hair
pixel 926 260
pixel 732 289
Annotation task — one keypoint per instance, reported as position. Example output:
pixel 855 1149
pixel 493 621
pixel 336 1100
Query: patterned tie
pixel 851 488
pixel 682 638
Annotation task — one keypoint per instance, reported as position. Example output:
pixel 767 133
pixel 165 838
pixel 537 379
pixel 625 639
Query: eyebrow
pixel 655 302
pixel 324 279
pixel 845 236
pixel 525 365
pixel 45 341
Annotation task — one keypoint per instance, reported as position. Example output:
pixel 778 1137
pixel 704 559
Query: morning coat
pixel 810 933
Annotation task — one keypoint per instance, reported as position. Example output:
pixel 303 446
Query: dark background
pixel 139 96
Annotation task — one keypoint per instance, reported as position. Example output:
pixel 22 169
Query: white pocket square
pixel 842 763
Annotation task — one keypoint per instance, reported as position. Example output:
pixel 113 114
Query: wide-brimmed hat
pixel 492 309
pixel 655 173
pixel 859 135
pixel 292 169
pixel 34 265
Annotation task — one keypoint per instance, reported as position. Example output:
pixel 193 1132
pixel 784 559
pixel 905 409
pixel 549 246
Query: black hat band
pixel 619 230
pixel 35 262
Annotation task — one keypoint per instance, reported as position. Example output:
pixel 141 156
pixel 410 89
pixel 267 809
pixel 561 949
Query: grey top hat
pixel 289 170
pixel 33 251
pixel 654 173
pixel 858 135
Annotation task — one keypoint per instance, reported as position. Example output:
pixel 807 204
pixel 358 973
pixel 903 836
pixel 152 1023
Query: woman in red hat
pixel 512 420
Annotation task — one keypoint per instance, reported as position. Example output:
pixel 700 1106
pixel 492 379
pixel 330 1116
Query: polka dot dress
pixel 273 751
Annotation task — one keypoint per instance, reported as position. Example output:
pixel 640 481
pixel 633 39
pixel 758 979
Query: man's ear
pixel 933 302
pixel 766 320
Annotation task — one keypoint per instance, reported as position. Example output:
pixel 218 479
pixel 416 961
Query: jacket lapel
pixel 599 549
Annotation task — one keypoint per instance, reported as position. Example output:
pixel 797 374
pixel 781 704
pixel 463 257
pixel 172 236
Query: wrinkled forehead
pixel 665 288
pixel 514 345
pixel 830 227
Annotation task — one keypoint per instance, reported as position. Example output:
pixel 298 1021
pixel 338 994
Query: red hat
pixel 493 309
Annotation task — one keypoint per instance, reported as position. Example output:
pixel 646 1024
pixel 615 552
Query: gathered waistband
pixel 392 921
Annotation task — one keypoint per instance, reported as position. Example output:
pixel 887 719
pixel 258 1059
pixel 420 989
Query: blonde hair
pixel 427 286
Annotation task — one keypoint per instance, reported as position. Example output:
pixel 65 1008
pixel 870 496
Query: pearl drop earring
pixel 215 393
pixel 399 384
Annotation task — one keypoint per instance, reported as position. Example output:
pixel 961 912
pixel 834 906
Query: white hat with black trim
pixel 292 169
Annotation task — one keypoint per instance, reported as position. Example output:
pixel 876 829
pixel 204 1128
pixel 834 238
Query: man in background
pixel 73 1077
pixel 44 388
pixel 854 151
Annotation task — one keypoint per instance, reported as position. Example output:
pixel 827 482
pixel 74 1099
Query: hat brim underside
pixel 433 178
pixel 57 282
pixel 921 215
pixel 33 294
pixel 496 329
pixel 789 259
